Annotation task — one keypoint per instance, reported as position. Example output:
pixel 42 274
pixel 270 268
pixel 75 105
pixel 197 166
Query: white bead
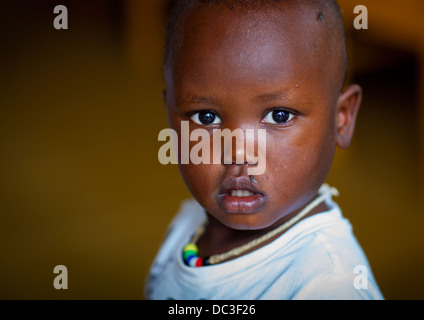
pixel 193 261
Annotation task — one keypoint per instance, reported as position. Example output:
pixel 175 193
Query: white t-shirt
pixel 318 258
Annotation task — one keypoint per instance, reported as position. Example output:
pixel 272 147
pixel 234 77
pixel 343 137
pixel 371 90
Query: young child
pixel 277 65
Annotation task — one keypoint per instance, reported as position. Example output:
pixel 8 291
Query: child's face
pixel 241 68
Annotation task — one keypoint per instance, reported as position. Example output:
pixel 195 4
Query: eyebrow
pixel 285 95
pixel 279 95
pixel 263 98
pixel 194 99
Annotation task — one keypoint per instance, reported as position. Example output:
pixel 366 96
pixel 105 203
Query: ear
pixel 347 111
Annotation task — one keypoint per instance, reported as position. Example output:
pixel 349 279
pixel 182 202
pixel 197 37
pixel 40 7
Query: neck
pixel 219 238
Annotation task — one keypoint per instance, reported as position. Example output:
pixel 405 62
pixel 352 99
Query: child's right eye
pixel 205 118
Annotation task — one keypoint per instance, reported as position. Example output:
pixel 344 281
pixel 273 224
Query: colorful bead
pixel 188 254
pixel 193 262
pixel 199 262
pixel 191 247
pixel 189 259
pixel 206 261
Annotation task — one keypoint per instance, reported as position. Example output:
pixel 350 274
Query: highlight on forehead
pixel 327 13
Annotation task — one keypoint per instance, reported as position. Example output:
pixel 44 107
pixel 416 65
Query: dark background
pixel 80 112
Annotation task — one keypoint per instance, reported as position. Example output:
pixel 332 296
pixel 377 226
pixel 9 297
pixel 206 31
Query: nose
pixel 238 147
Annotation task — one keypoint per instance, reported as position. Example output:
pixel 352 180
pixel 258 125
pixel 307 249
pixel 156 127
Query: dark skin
pixel 242 67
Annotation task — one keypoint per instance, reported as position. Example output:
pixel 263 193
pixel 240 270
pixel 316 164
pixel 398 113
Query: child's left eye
pixel 278 116
pixel 205 118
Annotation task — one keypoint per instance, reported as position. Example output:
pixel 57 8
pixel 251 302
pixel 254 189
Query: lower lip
pixel 249 204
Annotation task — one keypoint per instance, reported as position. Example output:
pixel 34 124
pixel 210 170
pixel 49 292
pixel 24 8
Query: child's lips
pixel 239 195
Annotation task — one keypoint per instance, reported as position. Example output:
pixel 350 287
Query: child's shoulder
pixel 190 214
pixel 329 258
pixel 188 218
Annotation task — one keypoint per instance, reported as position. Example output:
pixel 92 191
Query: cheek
pixel 201 180
pixel 300 160
pixel 284 163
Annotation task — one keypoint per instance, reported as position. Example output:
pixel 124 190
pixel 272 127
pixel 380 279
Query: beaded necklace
pixel 191 252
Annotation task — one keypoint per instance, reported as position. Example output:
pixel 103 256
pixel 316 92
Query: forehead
pixel 268 45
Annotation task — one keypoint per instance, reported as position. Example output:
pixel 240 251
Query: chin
pixel 244 221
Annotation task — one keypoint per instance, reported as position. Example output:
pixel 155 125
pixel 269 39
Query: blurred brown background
pixel 80 111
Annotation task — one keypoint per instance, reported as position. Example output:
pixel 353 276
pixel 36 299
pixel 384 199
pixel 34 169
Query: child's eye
pixel 278 116
pixel 205 118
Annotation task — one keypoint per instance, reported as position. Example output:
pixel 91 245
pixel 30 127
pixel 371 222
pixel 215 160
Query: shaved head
pixel 324 15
